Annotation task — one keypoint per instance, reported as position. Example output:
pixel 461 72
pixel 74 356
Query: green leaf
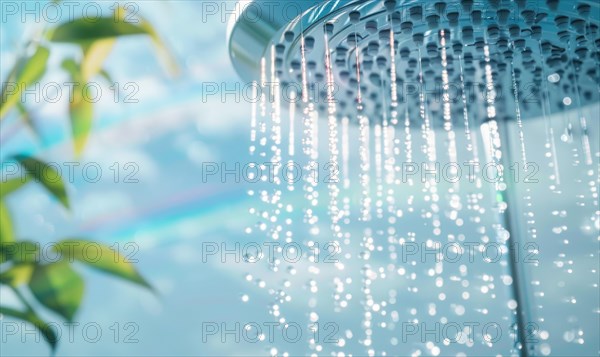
pixel 104 74
pixel 94 56
pixel 72 67
pixel 18 274
pixel 100 257
pixel 164 54
pixel 10 77
pixel 46 175
pixel 23 251
pixel 58 287
pixel 6 230
pixel 27 119
pixel 81 110
pixel 33 319
pixel 31 72
pixel 9 186
pixel 84 31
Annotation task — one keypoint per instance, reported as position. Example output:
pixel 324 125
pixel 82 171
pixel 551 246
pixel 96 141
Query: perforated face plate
pixel 551 45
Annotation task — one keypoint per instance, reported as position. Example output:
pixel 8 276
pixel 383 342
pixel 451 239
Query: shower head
pixel 399 68
pixel 547 43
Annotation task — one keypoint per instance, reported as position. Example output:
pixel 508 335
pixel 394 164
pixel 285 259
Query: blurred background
pixel 159 128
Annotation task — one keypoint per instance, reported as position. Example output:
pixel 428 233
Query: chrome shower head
pixel 546 40
pixel 400 68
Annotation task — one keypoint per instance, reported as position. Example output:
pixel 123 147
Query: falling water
pixel 408 150
pixel 310 189
pixel 429 150
pixel 345 152
pixel 308 149
pixel 518 112
pixel 567 101
pixel 494 138
pixel 502 234
pixel 252 147
pixel 380 135
pixel 262 140
pixel 291 142
pixel 471 140
pixel 475 195
pixel 389 131
pixel 292 124
pixel 567 135
pixel 367 239
pixel 446 99
pixel 279 214
pixel 428 134
pixel 463 95
pixel 453 196
pixel 262 125
pixel 341 296
pixel 367 273
pixel 471 145
pixel 585 139
pixel 363 149
pixel 550 142
pixel 381 152
pixel 333 165
pixel 333 142
pixel 390 149
pixel 267 208
pixel 379 171
pixel 275 198
pixel 473 176
pixel 275 127
pixel 528 212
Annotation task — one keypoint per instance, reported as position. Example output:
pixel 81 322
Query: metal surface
pixel 532 33
pixel 554 48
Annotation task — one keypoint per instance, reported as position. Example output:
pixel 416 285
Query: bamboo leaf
pixel 9 186
pixel 6 229
pixel 58 287
pixel 94 56
pixel 33 319
pixel 104 74
pixel 27 119
pixel 101 257
pixel 23 251
pixel 46 175
pixel 83 31
pixel 163 51
pixel 81 109
pixel 18 274
pixel 31 72
pixel 81 113
pixel 72 67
